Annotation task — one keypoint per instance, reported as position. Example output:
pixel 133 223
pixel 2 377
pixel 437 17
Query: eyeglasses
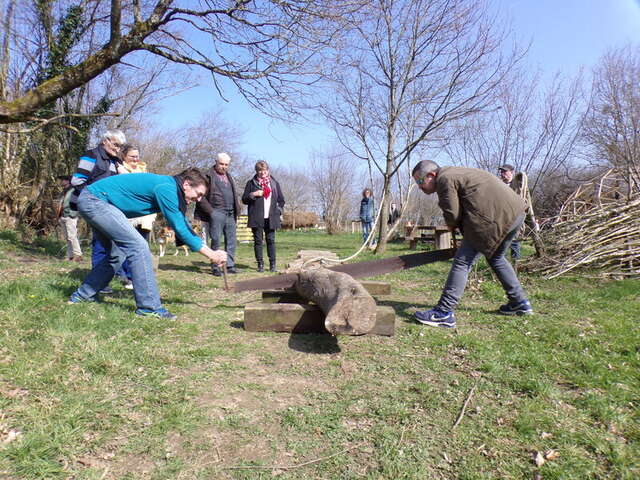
pixel 115 144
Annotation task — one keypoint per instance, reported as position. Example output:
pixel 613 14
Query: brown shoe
pixel 77 259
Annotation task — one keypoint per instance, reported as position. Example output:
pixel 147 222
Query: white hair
pixel 224 156
pixel 116 135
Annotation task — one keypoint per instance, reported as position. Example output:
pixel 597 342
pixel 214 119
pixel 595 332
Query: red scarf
pixel 265 186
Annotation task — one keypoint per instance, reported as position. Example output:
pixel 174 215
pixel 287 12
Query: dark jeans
pixel 224 223
pixel 466 256
pixel 98 250
pixel 270 236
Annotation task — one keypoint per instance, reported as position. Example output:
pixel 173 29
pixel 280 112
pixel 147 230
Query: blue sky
pixel 565 35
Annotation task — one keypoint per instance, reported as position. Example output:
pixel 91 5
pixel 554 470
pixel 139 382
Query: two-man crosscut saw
pixel 356 270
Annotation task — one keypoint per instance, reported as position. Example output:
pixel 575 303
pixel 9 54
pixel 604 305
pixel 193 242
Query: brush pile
pixel 598 229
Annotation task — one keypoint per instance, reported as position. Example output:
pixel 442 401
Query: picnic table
pixel 439 235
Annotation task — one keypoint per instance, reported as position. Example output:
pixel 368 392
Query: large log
pixel 348 307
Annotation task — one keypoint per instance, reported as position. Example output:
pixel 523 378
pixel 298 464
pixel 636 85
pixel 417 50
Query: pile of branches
pixel 605 238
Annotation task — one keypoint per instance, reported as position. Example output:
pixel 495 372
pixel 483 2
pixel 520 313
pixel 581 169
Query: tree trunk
pixel 349 308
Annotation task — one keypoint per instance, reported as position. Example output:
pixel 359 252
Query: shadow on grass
pixel 314 343
pixel 194 268
pixel 48 246
pixel 321 343
pixel 401 309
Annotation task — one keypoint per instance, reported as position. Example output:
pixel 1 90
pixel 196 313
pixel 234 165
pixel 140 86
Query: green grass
pixel 94 392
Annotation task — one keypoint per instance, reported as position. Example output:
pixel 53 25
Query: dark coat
pixel 256 204
pixel 480 204
pixel 213 200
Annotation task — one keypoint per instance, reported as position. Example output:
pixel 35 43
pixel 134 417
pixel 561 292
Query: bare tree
pixel 195 144
pixel 612 128
pixel 335 175
pixel 258 46
pixel 403 70
pixel 298 190
pixel 533 129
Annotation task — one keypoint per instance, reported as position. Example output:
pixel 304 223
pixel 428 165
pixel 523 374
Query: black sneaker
pixel 233 270
pixel 519 308
pixel 106 290
pixel 216 272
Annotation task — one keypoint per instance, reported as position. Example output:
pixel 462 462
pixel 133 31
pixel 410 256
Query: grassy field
pixel 92 391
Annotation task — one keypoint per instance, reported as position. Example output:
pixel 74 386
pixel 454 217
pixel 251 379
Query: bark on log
pixel 349 308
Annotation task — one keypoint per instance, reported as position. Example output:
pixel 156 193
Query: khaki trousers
pixel 70 229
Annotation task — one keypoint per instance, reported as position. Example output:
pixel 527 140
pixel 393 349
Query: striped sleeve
pixel 83 171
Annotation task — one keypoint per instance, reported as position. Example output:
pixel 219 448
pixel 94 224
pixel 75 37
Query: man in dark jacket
pixel 489 214
pixel 220 209
pixel 96 164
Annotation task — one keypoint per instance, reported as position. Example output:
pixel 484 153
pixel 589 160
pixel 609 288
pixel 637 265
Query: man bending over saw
pixel 108 204
pixel 489 215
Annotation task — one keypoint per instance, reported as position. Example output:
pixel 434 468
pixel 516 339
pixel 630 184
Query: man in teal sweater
pixel 108 203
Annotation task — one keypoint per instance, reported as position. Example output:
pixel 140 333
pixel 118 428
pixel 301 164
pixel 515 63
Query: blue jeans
pixel 121 241
pixel 515 250
pixel 224 223
pixel 366 230
pixel 98 250
pixel 463 261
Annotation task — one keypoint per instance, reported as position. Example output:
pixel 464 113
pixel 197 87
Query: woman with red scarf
pixel 265 201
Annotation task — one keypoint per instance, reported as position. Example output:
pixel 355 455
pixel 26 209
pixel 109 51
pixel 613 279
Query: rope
pixel 362 247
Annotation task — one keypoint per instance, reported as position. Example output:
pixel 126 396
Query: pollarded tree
pixel 404 69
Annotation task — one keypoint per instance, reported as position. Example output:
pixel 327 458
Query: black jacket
pixel 256 205
pixel 83 177
pixel 213 200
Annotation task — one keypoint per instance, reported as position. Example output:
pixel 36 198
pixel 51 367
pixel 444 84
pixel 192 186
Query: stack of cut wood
pixel 604 238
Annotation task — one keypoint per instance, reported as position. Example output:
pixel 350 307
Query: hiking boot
pixel 233 270
pixel 76 298
pixel 436 318
pixel 272 268
pixel 516 308
pixel 260 267
pixel 159 313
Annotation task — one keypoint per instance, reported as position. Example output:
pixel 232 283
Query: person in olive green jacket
pixel 489 215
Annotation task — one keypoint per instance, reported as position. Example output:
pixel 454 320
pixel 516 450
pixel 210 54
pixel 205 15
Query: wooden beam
pixel 296 318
